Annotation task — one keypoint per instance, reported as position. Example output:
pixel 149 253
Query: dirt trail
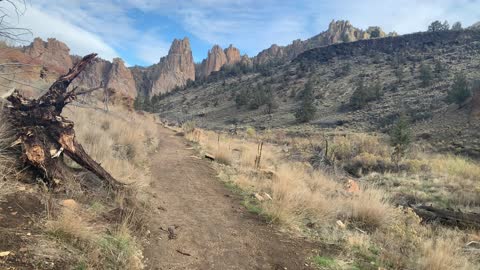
pixel 213 231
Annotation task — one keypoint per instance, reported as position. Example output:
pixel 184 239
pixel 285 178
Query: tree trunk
pixel 448 217
pixel 45 135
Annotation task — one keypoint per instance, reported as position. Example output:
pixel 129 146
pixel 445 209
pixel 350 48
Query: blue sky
pixel 141 31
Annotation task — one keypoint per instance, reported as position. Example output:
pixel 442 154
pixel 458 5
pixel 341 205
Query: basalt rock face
pixel 217 58
pixel 338 32
pixel 53 54
pixel 418 41
pixel 173 70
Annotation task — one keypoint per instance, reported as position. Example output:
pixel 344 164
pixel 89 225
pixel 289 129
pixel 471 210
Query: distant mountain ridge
pixel 337 32
pixel 177 67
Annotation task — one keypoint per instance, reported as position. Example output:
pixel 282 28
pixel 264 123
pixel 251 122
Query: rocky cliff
pixel 338 31
pixel 53 54
pixel 217 58
pixel 173 70
pixel 120 80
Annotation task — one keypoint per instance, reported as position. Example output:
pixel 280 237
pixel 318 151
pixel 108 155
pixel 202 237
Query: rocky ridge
pixel 178 67
pixel 338 31
pixel 52 53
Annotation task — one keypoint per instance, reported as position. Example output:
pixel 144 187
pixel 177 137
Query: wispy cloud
pixel 137 28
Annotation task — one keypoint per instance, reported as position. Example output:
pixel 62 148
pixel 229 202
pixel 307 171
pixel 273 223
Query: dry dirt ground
pixel 199 224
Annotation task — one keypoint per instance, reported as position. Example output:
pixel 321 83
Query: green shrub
pixel 460 90
pixel 365 93
pixel 400 138
pixel 306 111
pixel 426 75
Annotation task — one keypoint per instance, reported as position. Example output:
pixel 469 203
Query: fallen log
pixel 447 217
pixel 45 135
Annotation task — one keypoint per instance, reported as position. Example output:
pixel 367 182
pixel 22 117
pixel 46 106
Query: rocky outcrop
pixel 120 80
pixel 53 54
pixel 176 68
pixel 423 41
pixel 214 62
pixel 173 70
pixel 95 74
pixel 246 61
pixel 113 75
pixel 232 54
pixel 217 58
pixel 338 32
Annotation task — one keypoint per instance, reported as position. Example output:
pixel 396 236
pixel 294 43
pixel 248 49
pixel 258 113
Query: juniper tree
pixel 426 75
pixel 400 138
pixel 460 90
pixel 306 111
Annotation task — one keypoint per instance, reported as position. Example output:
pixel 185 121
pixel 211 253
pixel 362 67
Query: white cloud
pixel 149 48
pixel 109 26
pixel 80 41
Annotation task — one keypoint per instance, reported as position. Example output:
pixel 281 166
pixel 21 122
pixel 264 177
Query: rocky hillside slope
pixel 393 63
pixel 337 32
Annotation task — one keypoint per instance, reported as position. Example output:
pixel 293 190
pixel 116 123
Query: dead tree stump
pixel 45 135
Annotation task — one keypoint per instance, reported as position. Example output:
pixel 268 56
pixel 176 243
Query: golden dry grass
pixel 120 140
pixel 374 229
pixel 102 248
pixel 442 254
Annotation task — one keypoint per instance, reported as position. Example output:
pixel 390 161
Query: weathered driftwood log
pixel 448 217
pixel 45 135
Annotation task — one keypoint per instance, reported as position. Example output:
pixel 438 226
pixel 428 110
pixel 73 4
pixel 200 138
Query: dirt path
pixel 213 231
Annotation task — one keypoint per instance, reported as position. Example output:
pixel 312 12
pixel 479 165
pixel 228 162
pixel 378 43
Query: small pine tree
pixel 426 75
pixel 460 90
pixel 306 111
pixel 400 138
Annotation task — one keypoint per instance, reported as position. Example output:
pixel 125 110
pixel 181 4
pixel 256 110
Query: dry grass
pixel 442 254
pixel 455 166
pixel 120 140
pixel 306 200
pixel 99 248
pixel 6 161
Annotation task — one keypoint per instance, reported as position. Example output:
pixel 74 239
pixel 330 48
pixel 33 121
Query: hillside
pixel 335 72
